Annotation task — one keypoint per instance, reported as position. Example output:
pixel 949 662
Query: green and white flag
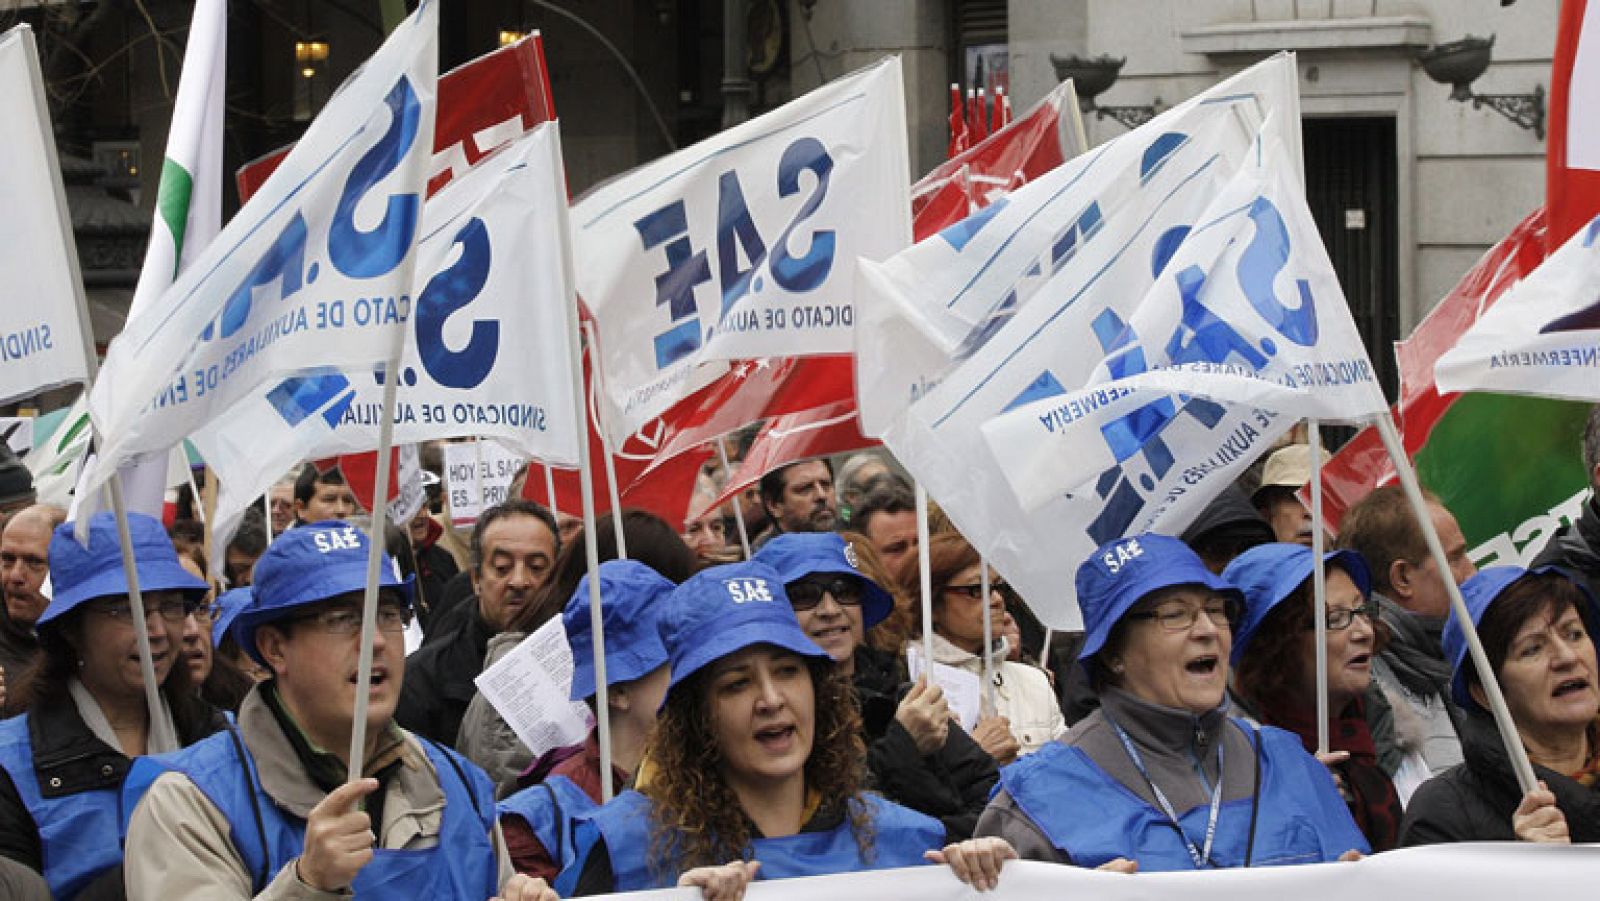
pixel 188 210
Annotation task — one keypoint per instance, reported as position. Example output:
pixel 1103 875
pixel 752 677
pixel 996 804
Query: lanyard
pixel 1200 856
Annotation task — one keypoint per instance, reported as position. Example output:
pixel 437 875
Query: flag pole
pixel 369 599
pixel 738 508
pixel 591 549
pixel 925 572
pixel 1319 584
pixel 1480 661
pixel 550 491
pixel 988 637
pixel 614 492
pixel 158 733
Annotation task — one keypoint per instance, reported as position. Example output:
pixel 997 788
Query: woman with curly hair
pixel 756 764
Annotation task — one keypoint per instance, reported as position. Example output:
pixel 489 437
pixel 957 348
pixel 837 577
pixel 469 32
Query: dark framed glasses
pixel 807 593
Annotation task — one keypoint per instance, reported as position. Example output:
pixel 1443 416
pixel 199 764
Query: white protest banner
pixel 1542 337
pixel 309 281
pixel 1471 871
pixel 1021 297
pixel 477 476
pixel 485 348
pixel 42 343
pixel 530 686
pixel 1251 314
pixel 745 244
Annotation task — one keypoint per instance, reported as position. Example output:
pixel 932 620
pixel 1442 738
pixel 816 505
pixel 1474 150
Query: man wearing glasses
pixel 264 809
pixel 919 756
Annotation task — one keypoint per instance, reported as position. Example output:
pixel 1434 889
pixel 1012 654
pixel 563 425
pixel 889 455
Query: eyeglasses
pixel 807 593
pixel 37 564
pixel 347 620
pixel 203 612
pixel 1176 616
pixel 173 610
pixel 975 592
pixel 1340 618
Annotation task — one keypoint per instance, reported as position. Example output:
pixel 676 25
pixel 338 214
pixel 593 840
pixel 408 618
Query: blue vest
pixel 462 866
pixel 551 809
pixel 900 836
pixel 1297 815
pixel 79 835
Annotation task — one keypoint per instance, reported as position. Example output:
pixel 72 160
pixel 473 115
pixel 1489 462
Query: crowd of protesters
pixel 763 720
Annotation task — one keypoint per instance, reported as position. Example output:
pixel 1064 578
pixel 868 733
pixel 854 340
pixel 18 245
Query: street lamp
pixel 310 54
pixel 1093 77
pixel 1459 63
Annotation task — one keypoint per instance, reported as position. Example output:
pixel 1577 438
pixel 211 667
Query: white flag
pixel 745 244
pixel 42 342
pixel 1247 312
pixel 485 348
pixel 1542 337
pixel 1022 301
pixel 308 284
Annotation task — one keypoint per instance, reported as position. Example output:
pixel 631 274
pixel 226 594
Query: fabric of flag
pixel 819 432
pixel 485 349
pixel 1542 337
pixel 42 342
pixel 958 125
pixel 1572 149
pixel 307 287
pixel 1020 302
pixel 743 245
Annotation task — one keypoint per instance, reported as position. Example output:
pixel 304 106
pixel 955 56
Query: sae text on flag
pixel 744 245
pixel 1542 337
pixel 307 287
pixel 41 336
pixel 485 347
pixel 1244 331
pixel 1016 304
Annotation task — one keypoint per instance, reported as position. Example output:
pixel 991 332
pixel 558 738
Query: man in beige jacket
pixel 263 810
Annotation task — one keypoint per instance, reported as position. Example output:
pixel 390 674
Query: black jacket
pixel 952 784
pixel 438 681
pixel 1577 547
pixel 1474 800
pixel 68 759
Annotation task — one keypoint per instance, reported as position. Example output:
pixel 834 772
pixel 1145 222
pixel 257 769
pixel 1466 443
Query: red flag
pixel 1362 465
pixel 821 432
pixel 959 139
pixel 480 105
pixel 360 472
pixel 1572 153
pixel 983 114
pixel 997 113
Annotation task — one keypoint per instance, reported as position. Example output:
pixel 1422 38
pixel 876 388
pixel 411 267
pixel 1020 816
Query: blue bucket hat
pixel 228 608
pixel 305 566
pixel 1268 573
pixel 631 598
pixel 1119 573
pixel 795 555
pixel 723 609
pixel 1480 592
pixel 80 574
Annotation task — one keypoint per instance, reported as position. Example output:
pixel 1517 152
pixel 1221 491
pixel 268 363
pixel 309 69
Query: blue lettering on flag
pixel 1046 385
pixel 1159 151
pixel 957 234
pixel 1259 265
pixel 299 397
pixel 686 268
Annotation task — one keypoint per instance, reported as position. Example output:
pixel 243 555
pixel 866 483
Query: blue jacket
pixel 462 865
pixel 900 836
pixel 1296 815
pixel 79 827
pixel 551 809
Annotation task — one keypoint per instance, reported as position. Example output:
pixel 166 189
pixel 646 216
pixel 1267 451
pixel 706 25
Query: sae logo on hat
pixel 1119 555
pixel 745 590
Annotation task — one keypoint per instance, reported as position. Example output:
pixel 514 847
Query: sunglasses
pixel 807 593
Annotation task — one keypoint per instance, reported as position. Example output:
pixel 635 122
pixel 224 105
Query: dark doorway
pixel 1351 185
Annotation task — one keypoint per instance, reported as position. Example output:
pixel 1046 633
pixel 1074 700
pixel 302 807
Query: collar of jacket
pixel 1484 755
pixel 1164 730
pixel 67 757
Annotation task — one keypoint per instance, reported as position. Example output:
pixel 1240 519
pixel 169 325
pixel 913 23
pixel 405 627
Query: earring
pixel 1116 667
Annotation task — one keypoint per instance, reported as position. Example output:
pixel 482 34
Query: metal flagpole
pixel 550 491
pixel 1480 661
pixel 591 549
pixel 738 508
pixel 369 599
pixel 925 572
pixel 1319 585
pixel 612 489
pixel 988 638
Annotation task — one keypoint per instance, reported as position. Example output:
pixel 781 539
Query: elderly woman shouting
pixel 1538 631
pixel 1159 778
